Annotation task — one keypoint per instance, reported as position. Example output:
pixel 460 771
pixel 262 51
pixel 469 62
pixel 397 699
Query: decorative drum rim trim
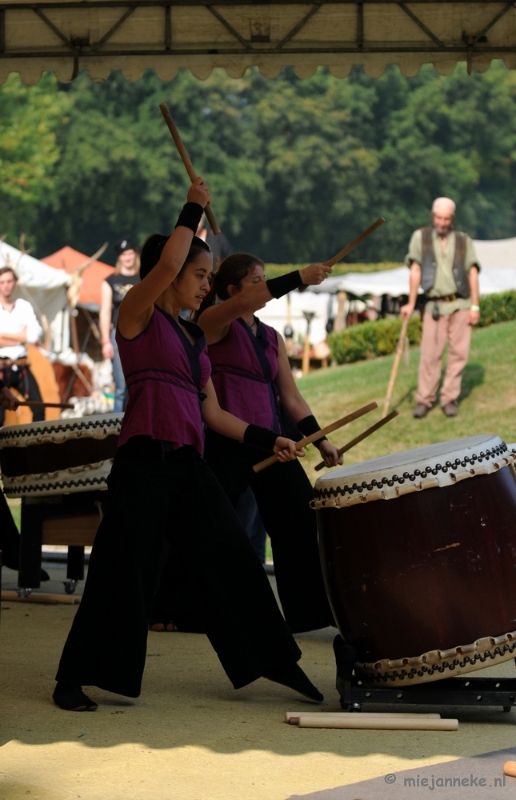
pixel 439 664
pixel 426 473
pixel 31 433
pixel 60 481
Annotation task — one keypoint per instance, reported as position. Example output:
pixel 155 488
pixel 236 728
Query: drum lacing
pixel 446 665
pixel 75 426
pixel 45 487
pixel 400 479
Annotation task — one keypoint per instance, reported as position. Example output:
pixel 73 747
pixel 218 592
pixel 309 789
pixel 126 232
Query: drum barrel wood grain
pixel 430 570
pixel 52 456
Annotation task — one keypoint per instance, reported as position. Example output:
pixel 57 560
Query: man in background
pixel 445 264
pixel 19 326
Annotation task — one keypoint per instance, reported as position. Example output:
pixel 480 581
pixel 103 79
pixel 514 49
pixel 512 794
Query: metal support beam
pixel 422 25
pixel 360 25
pixel 493 22
pixel 168 27
pixel 300 24
pixel 112 30
pixel 229 27
pixel 53 27
pixel 2 30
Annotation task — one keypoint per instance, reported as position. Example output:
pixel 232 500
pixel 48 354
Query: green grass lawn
pixel 487 403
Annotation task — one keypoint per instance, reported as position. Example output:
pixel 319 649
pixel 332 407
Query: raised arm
pixel 216 320
pixel 137 307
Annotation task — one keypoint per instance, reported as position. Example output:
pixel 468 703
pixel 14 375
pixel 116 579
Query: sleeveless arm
pixel 137 307
pixel 216 320
pixel 226 424
pixel 106 301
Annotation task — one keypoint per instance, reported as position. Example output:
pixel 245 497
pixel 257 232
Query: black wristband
pixel 257 436
pixel 284 284
pixel 309 425
pixel 190 216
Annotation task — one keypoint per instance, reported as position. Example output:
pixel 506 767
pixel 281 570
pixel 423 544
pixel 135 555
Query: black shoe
pixel 420 411
pixel 72 698
pixel 451 409
pixel 295 679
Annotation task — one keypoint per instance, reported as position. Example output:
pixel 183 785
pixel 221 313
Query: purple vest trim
pixel 165 374
pixel 244 368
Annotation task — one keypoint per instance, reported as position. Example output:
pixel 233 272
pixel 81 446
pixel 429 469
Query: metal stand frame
pixel 34 512
pixel 465 691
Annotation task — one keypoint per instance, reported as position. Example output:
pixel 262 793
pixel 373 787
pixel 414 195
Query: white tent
pixel 498 274
pixel 45 288
pixel 167 35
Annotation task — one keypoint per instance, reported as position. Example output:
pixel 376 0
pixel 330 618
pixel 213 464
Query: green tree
pixel 29 152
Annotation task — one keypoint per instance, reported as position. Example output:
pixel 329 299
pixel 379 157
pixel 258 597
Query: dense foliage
pixel 373 339
pixel 297 167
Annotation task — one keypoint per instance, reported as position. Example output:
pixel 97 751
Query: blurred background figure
pixel 18 326
pixel 114 289
pixel 219 245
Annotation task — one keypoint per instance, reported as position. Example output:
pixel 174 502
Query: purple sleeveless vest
pixel 244 368
pixel 165 374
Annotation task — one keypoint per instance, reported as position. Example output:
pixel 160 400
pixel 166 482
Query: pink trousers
pixel 451 328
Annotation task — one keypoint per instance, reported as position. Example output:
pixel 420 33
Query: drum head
pixel 427 467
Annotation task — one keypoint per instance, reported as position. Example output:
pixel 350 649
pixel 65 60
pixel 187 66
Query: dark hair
pixel 231 272
pixel 7 268
pixel 152 249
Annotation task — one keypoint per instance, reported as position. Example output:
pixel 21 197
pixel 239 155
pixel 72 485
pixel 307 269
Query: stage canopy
pixel 64 36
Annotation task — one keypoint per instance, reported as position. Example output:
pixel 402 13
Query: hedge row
pixel 373 339
pixel 497 308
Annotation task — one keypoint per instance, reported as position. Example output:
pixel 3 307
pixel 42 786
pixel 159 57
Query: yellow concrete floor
pixel 190 736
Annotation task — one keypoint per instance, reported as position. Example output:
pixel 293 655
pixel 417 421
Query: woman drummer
pixel 161 486
pixel 253 380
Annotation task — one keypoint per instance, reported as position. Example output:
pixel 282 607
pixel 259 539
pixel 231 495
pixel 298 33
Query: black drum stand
pixel 355 694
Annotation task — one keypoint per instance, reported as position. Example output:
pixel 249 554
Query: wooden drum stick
pixel 181 149
pixel 359 239
pixel 41 404
pixel 356 721
pixel 361 436
pixel 292 717
pixel 395 366
pixel 318 434
pixel 351 246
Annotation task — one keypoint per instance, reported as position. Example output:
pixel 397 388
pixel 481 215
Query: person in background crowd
pixel 114 289
pixel 445 264
pixel 219 245
pixel 18 326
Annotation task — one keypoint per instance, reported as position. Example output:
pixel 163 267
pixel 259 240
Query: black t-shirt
pixel 120 285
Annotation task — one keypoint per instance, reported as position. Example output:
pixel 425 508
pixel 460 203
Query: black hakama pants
pixel 155 496
pixel 283 493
